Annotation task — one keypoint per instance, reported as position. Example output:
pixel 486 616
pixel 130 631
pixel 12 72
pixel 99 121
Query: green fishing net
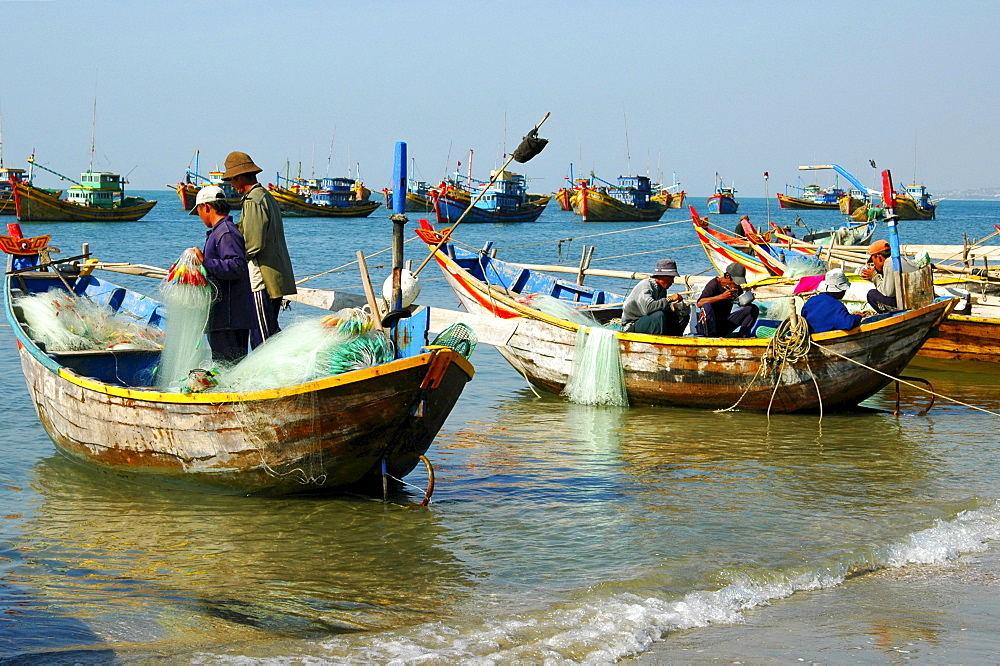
pixel 459 337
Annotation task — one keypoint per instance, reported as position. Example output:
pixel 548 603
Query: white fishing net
pixel 66 322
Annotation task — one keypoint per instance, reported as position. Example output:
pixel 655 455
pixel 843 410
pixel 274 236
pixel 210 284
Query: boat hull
pixel 35 205
pixel 908 209
pixel 723 205
pixel 785 201
pixel 965 338
pixel 595 206
pixel 710 372
pixel 328 435
pixel 449 208
pixel 292 205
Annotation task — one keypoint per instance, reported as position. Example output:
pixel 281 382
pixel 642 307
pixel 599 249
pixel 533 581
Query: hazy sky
pixel 737 88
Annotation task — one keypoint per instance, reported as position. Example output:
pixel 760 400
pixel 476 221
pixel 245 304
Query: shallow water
pixel 557 531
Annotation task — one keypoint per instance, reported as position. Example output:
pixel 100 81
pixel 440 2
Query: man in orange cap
pixel 271 275
pixel 880 271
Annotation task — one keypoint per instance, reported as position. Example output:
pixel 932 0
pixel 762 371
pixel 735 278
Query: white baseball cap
pixel 206 194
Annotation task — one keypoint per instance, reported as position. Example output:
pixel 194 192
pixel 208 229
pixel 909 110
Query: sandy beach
pixel 934 613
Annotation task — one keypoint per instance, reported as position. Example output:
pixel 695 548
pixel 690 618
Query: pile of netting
pixel 65 322
pixel 799 267
pixel 597 376
pixel 187 295
pixel 310 349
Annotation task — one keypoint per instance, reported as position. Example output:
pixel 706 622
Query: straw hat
pixel 237 164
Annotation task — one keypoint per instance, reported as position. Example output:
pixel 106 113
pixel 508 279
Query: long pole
pixel 448 233
pixel 889 202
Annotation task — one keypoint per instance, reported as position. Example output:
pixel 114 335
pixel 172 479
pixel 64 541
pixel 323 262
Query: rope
pixel 605 233
pixel 902 381
pixel 353 263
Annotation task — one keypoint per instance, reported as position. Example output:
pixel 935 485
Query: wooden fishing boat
pixel 723 202
pixel 812 197
pixel 915 204
pixel 418 197
pixel 8 177
pixel 99 197
pixel 332 434
pixel 629 201
pixel 684 371
pixel 506 199
pixel 330 197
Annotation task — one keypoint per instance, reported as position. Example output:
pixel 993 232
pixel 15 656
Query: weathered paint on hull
pixel 293 206
pixel 417 203
pixel 594 206
pixel 907 209
pixel 723 205
pixel 38 206
pixel 331 437
pixel 964 338
pixel 716 372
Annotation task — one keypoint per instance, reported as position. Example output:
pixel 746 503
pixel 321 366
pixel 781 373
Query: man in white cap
pixel 225 261
pixel 648 308
pixel 271 273
pixel 716 316
pixel 824 311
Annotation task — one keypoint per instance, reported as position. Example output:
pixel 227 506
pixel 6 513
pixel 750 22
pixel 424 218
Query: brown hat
pixel 237 164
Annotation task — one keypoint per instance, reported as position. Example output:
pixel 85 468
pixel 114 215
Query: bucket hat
pixel 835 280
pixel 237 164
pixel 665 268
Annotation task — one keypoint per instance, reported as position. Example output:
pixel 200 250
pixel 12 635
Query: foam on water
pixel 609 629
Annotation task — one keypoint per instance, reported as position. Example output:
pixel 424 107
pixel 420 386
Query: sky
pixel 660 88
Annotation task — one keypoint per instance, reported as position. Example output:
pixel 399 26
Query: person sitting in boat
pixel 824 311
pixel 744 227
pixel 649 309
pixel 225 260
pixel 716 316
pixel 881 271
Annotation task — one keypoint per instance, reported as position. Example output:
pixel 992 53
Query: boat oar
pixel 530 146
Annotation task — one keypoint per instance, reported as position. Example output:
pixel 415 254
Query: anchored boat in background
pixel 323 197
pixel 504 199
pixel 99 196
pixel 723 202
pixel 8 178
pixel 187 190
pixel 631 200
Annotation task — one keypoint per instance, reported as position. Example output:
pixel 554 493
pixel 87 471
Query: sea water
pixel 557 532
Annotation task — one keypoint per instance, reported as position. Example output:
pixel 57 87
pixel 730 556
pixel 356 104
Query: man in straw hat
pixel 271 275
pixel 716 316
pixel 824 311
pixel 881 271
pixel 648 308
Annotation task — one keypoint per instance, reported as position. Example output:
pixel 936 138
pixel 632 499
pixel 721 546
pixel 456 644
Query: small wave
pixel 624 624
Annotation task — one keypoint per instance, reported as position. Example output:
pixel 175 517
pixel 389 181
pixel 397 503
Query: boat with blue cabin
pixel 631 200
pixel 322 197
pixel 505 199
pixel 723 202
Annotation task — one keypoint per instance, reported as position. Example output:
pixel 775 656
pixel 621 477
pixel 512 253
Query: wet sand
pixel 938 613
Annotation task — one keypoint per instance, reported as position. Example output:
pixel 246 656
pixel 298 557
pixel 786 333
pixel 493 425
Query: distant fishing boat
pixel 681 370
pixel 631 200
pixel 99 196
pixel 323 197
pixel 187 190
pixel 672 196
pixel 723 202
pixel 505 200
pixel 348 431
pixel 418 197
pixel 915 204
pixel 812 197
pixel 10 176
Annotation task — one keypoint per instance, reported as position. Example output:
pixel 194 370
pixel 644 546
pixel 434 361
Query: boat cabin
pixel 920 195
pixel 633 190
pixel 506 194
pixel 101 189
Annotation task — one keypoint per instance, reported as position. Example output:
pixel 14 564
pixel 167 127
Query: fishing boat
pixel 682 371
pixel 187 190
pixel 341 432
pixel 853 201
pixel 723 202
pixel 323 197
pixel 628 201
pixel 812 197
pixel 8 177
pixel 418 197
pixel 99 196
pixel 504 198
pixel 914 203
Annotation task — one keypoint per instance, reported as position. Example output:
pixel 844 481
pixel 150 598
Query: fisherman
pixel 825 311
pixel 225 261
pixel 271 275
pixel 881 271
pixel 649 309
pixel 716 316
pixel 742 229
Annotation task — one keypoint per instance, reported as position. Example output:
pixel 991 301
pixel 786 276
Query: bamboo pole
pixel 366 282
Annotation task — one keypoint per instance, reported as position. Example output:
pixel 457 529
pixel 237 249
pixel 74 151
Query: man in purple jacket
pixel 225 261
